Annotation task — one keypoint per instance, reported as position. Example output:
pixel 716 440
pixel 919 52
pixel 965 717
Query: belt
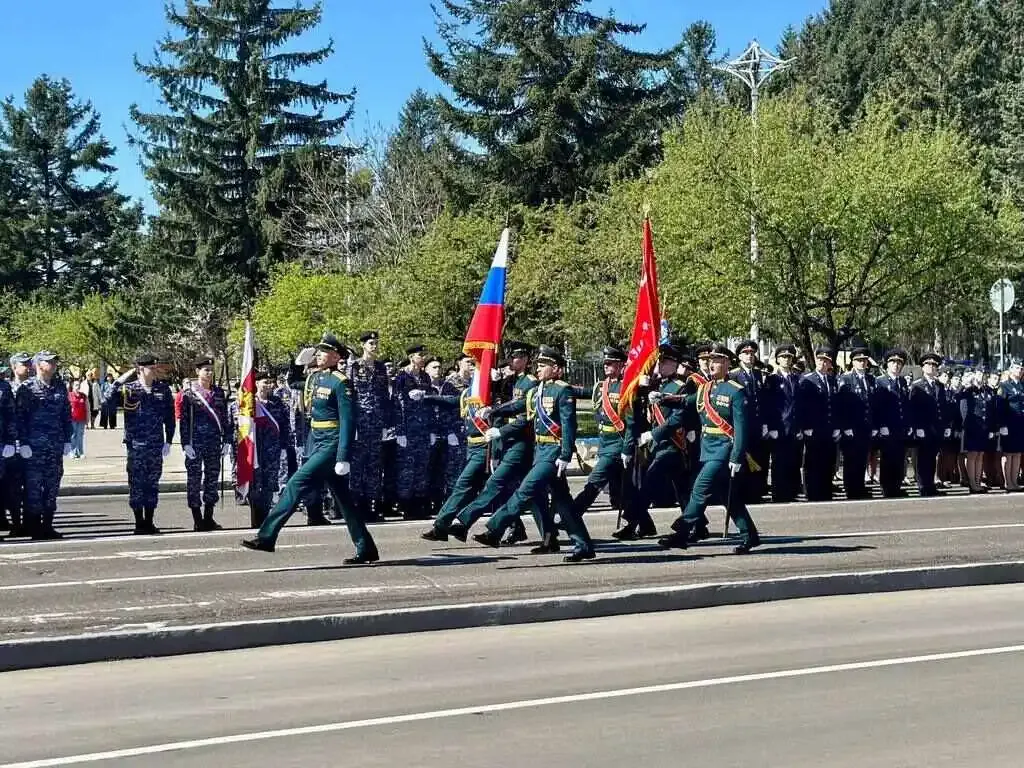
pixel 476 440
pixel 714 431
pixel 548 439
pixel 608 429
pixel 324 424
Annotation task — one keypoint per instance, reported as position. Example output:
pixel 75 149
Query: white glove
pixel 1004 431
pixel 485 412
pixel 387 434
pixel 25 451
pixel 626 458
pixel 691 436
pixel 165 451
pixel 835 434
pixel 734 468
pixel 809 433
pixel 492 434
pixel 848 432
pixel 189 451
pixel 773 434
pixel 495 374
pixel 9 450
pixel 764 430
pixel 874 433
pixel 910 431
pixel 453 440
pixel 947 433
pixel 227 449
pixel 991 435
pixel 646 438
pixel 342 468
pixel 284 457
pixel 884 431
pixel 644 381
pixel 416 394
pixel 920 433
pixel 67 449
pixel 433 438
pixel 402 442
pixel 306 356
pixel 560 467
pixel 654 397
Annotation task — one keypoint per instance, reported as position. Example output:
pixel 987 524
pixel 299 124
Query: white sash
pixel 209 408
pixel 262 410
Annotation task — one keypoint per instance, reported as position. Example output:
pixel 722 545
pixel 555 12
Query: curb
pixel 226 636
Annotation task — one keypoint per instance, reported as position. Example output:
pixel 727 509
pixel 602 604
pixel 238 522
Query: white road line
pixel 142 555
pixel 299 594
pixel 439 714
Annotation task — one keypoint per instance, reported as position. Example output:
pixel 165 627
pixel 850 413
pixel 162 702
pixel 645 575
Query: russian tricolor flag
pixel 483 339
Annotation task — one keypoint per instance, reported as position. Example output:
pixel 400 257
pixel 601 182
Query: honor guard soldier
pixel 784 425
pixel 148 433
pixel 819 425
pixel 551 408
pixel 314 499
pixel 928 417
pixel 723 411
pixel 617 448
pixel 412 428
pixel 374 420
pixel 857 422
pixel 1011 429
pixel 8 441
pixel 451 426
pixel 12 494
pixel 205 437
pixel 891 408
pixel 751 376
pixel 43 416
pixel 332 427
pixel 273 446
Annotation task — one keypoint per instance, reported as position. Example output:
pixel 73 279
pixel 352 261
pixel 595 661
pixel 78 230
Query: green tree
pixel 63 224
pixel 550 102
pixel 221 158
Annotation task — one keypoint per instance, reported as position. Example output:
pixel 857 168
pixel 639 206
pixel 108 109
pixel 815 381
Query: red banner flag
pixel 643 345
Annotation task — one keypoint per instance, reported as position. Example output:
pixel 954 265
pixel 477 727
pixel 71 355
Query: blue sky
pixel 378 49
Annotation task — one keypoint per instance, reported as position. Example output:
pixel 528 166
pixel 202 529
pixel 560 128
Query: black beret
pixel 368 335
pixel 546 354
pixel 613 354
pixel 145 358
pixel 747 344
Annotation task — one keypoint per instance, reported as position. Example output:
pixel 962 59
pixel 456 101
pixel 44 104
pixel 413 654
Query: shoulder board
pixel 339 375
pixel 736 370
pixel 734 383
pixel 531 377
pixel 560 383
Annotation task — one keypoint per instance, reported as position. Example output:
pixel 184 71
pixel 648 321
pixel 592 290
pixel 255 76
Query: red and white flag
pixel 246 438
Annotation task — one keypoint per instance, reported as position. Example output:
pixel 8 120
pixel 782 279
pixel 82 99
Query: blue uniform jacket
pixel 816 404
pixel 928 408
pixel 854 403
pixel 42 413
pixel 781 403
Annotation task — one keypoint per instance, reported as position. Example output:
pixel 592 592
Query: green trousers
pixel 316 470
pixel 713 481
pixel 467 486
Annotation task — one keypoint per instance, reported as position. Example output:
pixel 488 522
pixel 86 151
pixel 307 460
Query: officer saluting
pixel 332 425
pixel 857 422
pixel 148 432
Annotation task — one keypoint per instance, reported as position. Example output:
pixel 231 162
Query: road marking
pixel 440 714
pixel 141 555
pixel 299 594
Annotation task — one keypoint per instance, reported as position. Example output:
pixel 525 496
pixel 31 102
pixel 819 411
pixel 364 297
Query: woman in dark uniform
pixel 1011 395
pixel 977 431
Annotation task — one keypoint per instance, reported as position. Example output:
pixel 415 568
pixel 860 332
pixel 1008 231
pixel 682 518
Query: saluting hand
pixel 9 451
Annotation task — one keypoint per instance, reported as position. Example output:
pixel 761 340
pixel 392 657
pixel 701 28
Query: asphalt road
pixel 908 679
pixel 116 583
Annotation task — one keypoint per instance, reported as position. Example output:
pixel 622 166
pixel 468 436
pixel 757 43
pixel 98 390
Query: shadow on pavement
pixel 427 561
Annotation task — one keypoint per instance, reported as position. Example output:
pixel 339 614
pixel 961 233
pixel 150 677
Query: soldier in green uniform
pixel 722 406
pixel 551 409
pixel 332 425
pixel 618 446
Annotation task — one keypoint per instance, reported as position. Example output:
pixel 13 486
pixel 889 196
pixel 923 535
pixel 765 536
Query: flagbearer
pixel 273 443
pixel 617 446
pixel 723 411
pixel 205 437
pixel 332 426
pixel 551 407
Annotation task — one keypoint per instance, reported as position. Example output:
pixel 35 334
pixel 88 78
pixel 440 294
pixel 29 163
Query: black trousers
pixel 819 466
pixel 891 465
pixel 856 450
pixel 786 454
pixel 927 453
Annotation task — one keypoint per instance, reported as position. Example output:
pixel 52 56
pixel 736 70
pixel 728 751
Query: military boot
pixel 209 524
pixel 150 528
pixel 315 515
pixel 197 519
pixel 140 521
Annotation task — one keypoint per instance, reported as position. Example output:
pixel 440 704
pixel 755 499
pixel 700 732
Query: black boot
pixel 548 547
pixel 517 534
pixel 151 529
pixel 626 532
pixel 677 540
pixel 458 531
pixel 140 521
pixel 315 515
pixel 487 538
pixel 751 540
pixel 209 524
pixel 197 519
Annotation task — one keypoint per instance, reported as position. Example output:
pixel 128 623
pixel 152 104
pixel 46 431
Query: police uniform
pixel 722 406
pixel 332 428
pixel 273 438
pixel 8 441
pixel 891 408
pixel 43 416
pixel 928 418
pixel 551 409
pixel 205 435
pixel 373 420
pixel 819 426
pixel 412 429
pixel 784 435
pixel 12 489
pixel 148 434
pixel 1011 426
pixel 755 482
pixel 854 401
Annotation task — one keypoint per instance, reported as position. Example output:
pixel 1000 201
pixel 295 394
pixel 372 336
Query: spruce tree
pixel 222 157
pixel 550 101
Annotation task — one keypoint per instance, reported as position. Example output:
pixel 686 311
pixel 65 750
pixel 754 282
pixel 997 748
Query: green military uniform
pixel 616 440
pixel 722 406
pixel 332 428
pixel 551 408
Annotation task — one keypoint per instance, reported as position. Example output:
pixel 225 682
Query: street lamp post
pixel 753 68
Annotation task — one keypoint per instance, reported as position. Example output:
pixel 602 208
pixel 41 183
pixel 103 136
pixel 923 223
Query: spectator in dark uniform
pixel 784 425
pixel 749 374
pixel 819 425
pixel 928 417
pixel 857 422
pixel 892 416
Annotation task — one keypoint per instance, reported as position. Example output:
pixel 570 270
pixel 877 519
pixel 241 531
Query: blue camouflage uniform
pixel 205 426
pixel 273 437
pixel 413 422
pixel 148 426
pixel 12 490
pixel 43 416
pixel 373 416
pixel 8 437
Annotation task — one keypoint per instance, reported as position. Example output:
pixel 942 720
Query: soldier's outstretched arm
pixel 346 419
pixel 567 420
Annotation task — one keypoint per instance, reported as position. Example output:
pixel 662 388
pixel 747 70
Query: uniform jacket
pixel 891 405
pixel 205 420
pixel 42 413
pixel 373 395
pixel 411 417
pixel 549 403
pixel 753 383
pixel 331 410
pixel 273 430
pixel 8 429
pixel 781 403
pixel 854 403
pixel 928 408
pixel 816 404
pixel 729 402
pixel 148 413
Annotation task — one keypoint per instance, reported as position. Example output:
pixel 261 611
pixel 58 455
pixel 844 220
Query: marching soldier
pixel 723 411
pixel 148 433
pixel 315 497
pixel 857 422
pixel 891 407
pixel 784 425
pixel 12 495
pixel 332 427
pixel 928 417
pixel 749 374
pixel 205 437
pixel 273 442
pixel 373 420
pixel 1011 426
pixel 412 417
pixel 819 424
pixel 617 450
pixel 551 408
pixel 43 416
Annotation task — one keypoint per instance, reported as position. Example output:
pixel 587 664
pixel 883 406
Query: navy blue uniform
pixel 816 410
pixel 413 422
pixel 43 416
pixel 8 437
pixel 373 416
pixel 786 445
pixel 928 419
pixel 757 395
pixel 148 425
pixel 273 437
pixel 857 423
pixel 204 425
pixel 12 490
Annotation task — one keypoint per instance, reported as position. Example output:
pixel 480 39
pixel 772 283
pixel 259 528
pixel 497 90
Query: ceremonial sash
pixel 720 423
pixel 610 411
pixel 699 378
pixel 480 424
pixel 659 418
pixel 262 410
pixel 555 430
pixel 209 408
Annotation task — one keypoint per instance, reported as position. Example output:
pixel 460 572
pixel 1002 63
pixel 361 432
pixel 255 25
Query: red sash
pixel 699 377
pixel 659 418
pixel 715 416
pixel 610 410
